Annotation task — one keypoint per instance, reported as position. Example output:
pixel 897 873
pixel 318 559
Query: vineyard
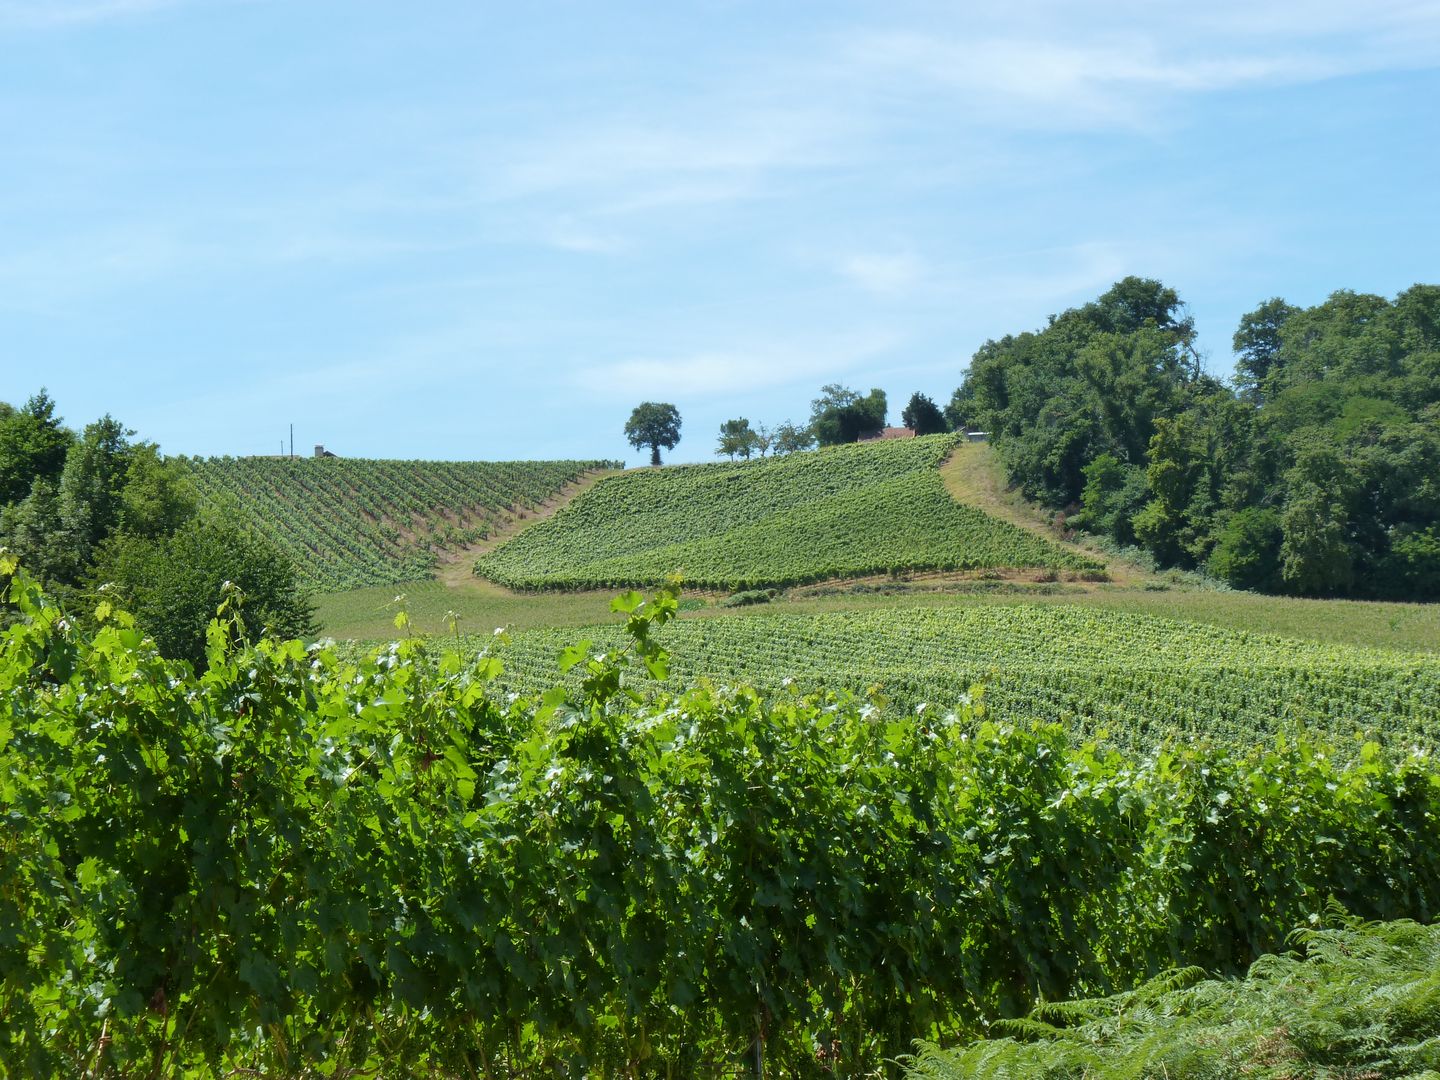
pixel 350 522
pixel 295 865
pixel 1140 679
pixel 841 512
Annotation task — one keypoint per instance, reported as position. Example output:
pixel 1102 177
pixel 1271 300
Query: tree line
pixel 839 415
pixel 101 518
pixel 1314 470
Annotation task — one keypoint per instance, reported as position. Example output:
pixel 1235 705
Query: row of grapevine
pixel 842 512
pixel 295 865
pixel 1139 678
pixel 351 522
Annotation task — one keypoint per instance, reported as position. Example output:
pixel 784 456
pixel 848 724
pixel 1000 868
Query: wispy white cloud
pixel 737 142
pixel 885 274
pixel 1052 83
pixel 138 254
pixel 736 370
pixel 1118 64
pixel 568 234
pixel 39 14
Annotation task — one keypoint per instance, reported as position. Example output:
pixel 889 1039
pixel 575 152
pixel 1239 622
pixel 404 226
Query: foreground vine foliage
pixel 298 865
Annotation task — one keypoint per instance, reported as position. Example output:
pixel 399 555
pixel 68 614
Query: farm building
pixel 888 433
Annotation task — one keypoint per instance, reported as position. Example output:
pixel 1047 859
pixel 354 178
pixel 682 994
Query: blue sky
pixel 482 230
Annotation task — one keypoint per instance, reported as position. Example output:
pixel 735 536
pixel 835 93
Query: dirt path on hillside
pixel 972 474
pixel 456 568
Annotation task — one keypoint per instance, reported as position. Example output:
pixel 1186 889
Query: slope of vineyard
pixel 842 512
pixel 350 522
pixel 1139 678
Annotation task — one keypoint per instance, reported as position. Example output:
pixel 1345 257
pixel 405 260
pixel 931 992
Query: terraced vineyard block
pixel 1139 680
pixel 843 512
pixel 351 522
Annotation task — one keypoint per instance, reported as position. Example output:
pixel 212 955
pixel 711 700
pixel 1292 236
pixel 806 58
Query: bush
pixel 750 596
pixel 173 585
pixel 1247 554
pixel 1358 1001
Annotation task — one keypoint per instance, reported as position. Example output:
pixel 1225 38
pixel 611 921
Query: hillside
pixel 1140 678
pixel 841 512
pixel 352 522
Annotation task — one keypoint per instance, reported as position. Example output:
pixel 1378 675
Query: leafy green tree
pixel 1331 435
pixel 157 497
pixel 764 439
pixel 33 444
pixel 1316 554
pixel 92 486
pixel 653 424
pixel 923 416
pixel 1257 345
pixel 107 484
pixel 958 411
pixel 174 584
pixel 840 415
pixel 737 437
pixel 1093 381
pixel 1114 492
pixel 790 438
pixel 1412 567
pixel 1247 550
pixel 32 529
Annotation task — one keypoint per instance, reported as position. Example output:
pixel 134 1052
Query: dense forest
pixel 1315 471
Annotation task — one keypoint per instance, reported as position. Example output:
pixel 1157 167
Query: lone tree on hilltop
pixel 923 416
pixel 653 424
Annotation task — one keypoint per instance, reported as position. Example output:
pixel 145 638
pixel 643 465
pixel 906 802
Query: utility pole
pixel 292 442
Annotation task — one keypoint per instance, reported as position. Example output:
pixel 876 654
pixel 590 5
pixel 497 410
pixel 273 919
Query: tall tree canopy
pixel 653 424
pixel 1093 382
pixel 33 444
pixel 923 416
pixel 1317 474
pixel 840 415
pixel 174 584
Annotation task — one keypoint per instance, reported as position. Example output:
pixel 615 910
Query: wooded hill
pixel 1316 471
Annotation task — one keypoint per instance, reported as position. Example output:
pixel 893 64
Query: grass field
pixel 837 513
